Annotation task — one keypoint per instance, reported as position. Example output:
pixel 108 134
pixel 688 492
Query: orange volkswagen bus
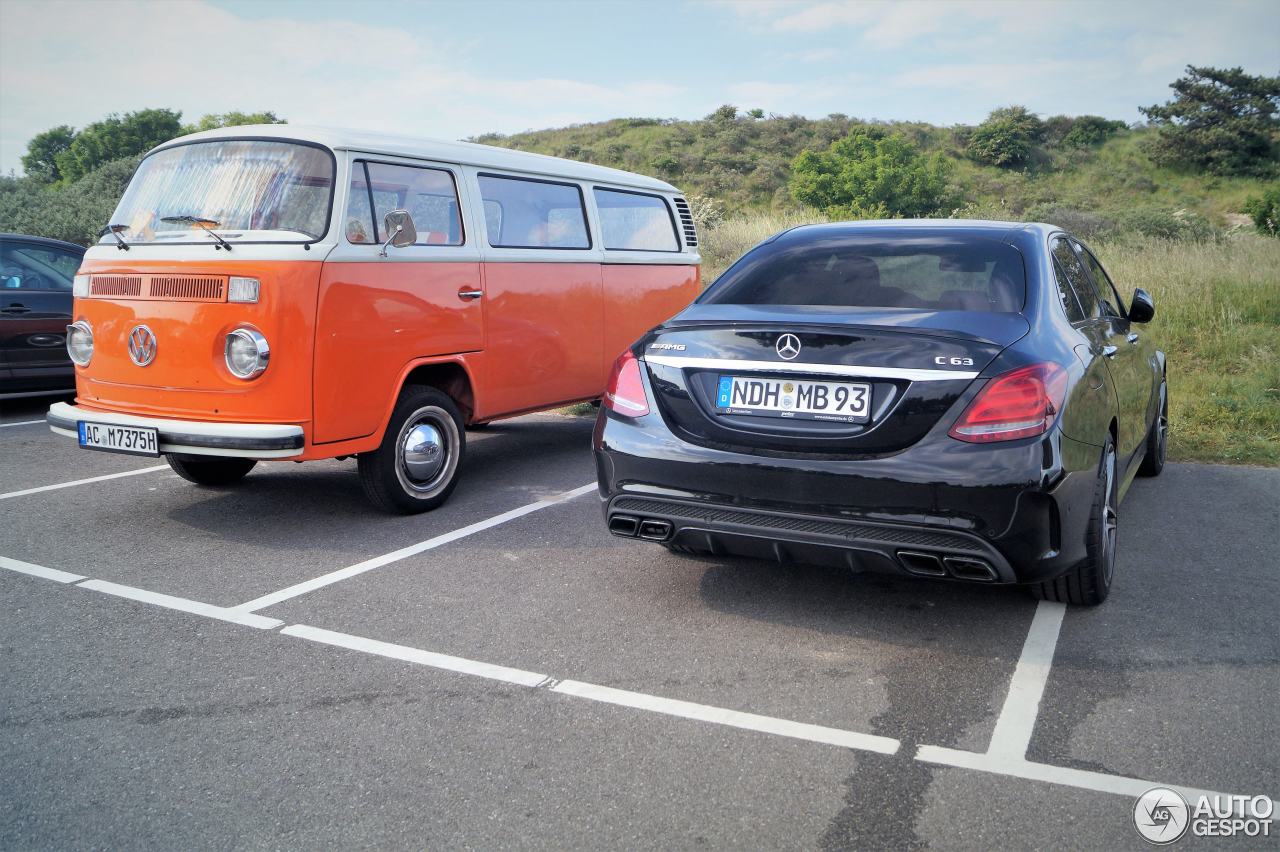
pixel 267 293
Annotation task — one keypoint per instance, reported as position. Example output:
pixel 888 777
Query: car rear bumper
pixel 1007 514
pixel 190 437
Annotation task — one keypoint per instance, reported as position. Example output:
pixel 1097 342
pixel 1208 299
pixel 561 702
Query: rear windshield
pixel 248 190
pixel 935 273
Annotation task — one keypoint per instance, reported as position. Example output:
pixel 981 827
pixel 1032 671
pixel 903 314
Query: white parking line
pixel 20 423
pixel 416 655
pixel 731 718
pixel 1012 734
pixel 405 552
pixel 42 488
pixel 39 571
pixel 1000 759
pixel 182 604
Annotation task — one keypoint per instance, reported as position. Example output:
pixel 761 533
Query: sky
pixel 458 69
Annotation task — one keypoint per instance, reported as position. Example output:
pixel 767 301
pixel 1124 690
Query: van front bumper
pixel 191 437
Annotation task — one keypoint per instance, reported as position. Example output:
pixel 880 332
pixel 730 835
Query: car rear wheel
pixel 210 470
pixel 416 467
pixel 1157 438
pixel 1089 582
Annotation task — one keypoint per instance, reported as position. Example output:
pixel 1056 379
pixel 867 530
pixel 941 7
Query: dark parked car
pixel 963 400
pixel 36 277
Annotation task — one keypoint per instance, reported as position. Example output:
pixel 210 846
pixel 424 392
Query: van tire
pixel 1089 582
pixel 210 470
pixel 422 483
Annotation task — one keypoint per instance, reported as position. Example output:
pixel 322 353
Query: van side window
pixel 1077 278
pixel 630 221
pixel 429 195
pixel 534 213
pixel 358 223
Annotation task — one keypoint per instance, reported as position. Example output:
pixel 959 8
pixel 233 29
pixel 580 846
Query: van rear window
pixel 633 221
pixel 939 274
pixel 525 213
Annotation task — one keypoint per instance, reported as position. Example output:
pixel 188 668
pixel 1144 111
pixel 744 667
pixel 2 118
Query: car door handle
pixel 470 295
pixel 15 309
pixel 1133 337
pixel 1110 351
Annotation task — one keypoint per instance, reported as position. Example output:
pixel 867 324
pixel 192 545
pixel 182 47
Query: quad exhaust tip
pixel 960 567
pixel 649 529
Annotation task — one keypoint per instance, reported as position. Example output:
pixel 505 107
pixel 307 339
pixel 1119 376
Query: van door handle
pixel 470 295
pixel 1109 351
pixel 1133 337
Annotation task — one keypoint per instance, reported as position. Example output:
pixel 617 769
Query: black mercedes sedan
pixel 953 399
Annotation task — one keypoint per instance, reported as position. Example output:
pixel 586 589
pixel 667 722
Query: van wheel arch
pixel 450 378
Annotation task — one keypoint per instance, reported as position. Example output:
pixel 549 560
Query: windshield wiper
pixel 115 230
pixel 207 224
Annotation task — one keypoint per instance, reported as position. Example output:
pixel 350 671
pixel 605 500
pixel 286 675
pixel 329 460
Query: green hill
pixel 744 164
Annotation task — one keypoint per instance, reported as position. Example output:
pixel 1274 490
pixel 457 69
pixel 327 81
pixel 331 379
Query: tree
pixel 871 173
pixel 755 113
pixel 1007 138
pixel 723 114
pixel 115 137
pixel 1221 121
pixel 41 159
pixel 213 121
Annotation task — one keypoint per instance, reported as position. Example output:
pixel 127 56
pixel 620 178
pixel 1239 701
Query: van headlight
pixel 247 353
pixel 80 342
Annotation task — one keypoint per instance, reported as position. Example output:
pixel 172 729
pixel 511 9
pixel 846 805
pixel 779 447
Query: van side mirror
pixel 1141 309
pixel 400 230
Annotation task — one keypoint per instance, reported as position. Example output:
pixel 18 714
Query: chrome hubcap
pixel 423 452
pixel 426 451
pixel 1110 518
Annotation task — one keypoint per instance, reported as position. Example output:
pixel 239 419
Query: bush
pixel 869 174
pixel 1165 223
pixel 1089 131
pixel 1007 138
pixel 1264 210
pixel 75 212
pixel 1082 223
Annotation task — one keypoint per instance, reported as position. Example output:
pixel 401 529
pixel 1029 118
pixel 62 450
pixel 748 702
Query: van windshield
pixel 936 273
pixel 248 190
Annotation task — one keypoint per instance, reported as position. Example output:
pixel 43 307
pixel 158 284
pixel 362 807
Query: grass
pixel 1217 318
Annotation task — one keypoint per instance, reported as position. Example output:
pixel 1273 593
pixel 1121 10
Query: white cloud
pixel 64 62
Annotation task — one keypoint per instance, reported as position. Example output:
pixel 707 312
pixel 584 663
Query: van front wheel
pixel 416 467
pixel 210 470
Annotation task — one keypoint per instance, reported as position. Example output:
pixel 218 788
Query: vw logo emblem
pixel 788 346
pixel 142 345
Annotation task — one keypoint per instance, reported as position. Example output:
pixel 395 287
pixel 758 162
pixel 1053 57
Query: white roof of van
pixel 467 153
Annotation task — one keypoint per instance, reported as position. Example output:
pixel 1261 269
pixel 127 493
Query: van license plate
pixel 842 402
pixel 109 438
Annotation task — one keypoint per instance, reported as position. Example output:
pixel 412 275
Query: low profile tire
pixel 1157 438
pixel 1089 583
pixel 416 467
pixel 210 470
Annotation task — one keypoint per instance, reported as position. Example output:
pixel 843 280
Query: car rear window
pixel 921 273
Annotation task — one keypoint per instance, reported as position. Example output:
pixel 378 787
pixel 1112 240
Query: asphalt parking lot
pixel 278 665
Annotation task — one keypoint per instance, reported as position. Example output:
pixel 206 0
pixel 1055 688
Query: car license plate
pixel 107 437
pixel 843 402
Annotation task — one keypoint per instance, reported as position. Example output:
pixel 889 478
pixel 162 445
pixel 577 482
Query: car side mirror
pixel 1141 309
pixel 400 230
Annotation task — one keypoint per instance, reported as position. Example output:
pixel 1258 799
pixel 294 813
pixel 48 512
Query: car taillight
pixel 1017 404
pixel 625 391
